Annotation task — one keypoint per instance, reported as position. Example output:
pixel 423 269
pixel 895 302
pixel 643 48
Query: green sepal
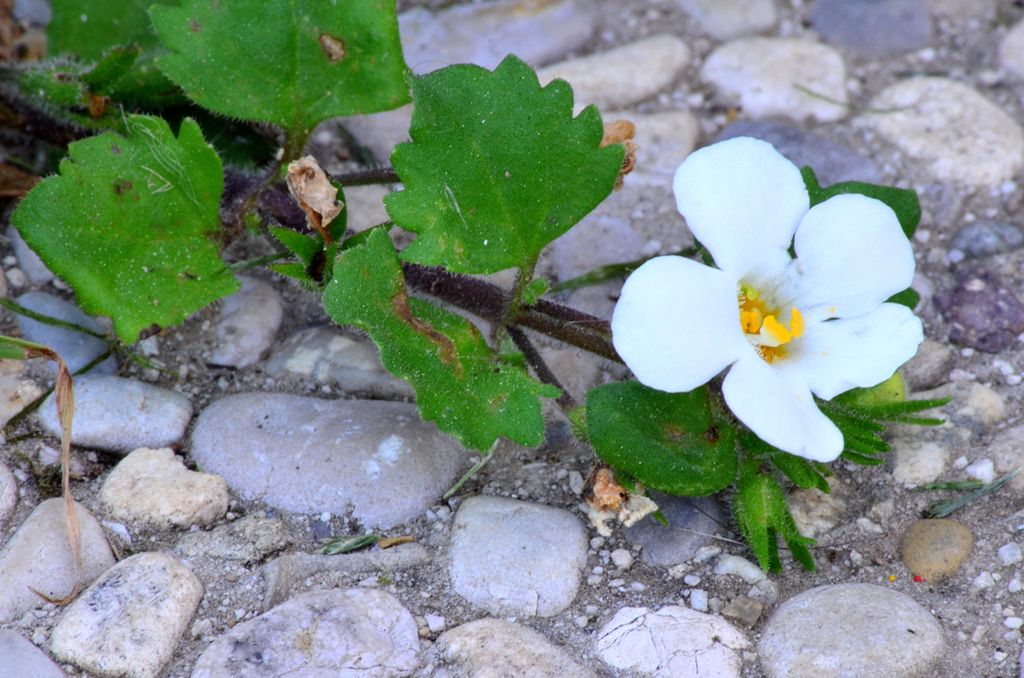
pixel 460 384
pixel 667 441
pixel 762 516
pixel 497 168
pixel 112 66
pixel 903 201
pixel 908 297
pixel 132 223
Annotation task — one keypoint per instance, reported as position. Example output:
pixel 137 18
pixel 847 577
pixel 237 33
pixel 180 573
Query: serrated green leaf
pixel 497 167
pixel 131 223
pixel 111 67
pixel 667 441
pixel 762 515
pixel 288 62
pixel 304 247
pixel 89 29
pixel 861 459
pixel 459 383
pixel 800 471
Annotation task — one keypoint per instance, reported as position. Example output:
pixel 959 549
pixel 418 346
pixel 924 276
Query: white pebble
pixel 960 463
pixel 1013 622
pixel 16 277
pixel 435 622
pixel 576 482
pixel 1010 554
pixel 983 470
pixel 741 567
pixel 1015 585
pixel 699 600
pixel 691 580
pixel 622 559
pixel 984 581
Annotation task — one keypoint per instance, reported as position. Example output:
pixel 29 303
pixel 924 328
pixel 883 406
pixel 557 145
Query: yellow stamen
pixel 796 323
pixel 775 330
pixel 751 320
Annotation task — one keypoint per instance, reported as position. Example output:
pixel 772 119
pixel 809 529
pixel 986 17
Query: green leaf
pixel 665 440
pixel 89 29
pixel 762 515
pixel 111 67
pixel 131 224
pixel 903 201
pixel 459 383
pixel 348 544
pixel 908 297
pixel 800 471
pixel 536 289
pixel 290 62
pixel 497 167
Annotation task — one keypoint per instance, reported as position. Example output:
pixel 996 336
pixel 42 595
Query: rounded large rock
pixel 494 647
pixel 850 631
pixel 248 322
pixel 375 458
pixel 22 659
pixel 117 414
pixel 8 495
pixel 874 29
pixel 692 522
pixel 130 620
pixel 352 632
pixel 38 556
pixel 791 77
pixel 77 348
pixel 950 129
pixel 515 557
pixel 936 548
pixel 673 642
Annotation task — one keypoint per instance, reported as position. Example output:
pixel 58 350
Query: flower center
pixel 762 326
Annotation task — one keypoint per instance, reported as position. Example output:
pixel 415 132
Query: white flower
pixel 789 328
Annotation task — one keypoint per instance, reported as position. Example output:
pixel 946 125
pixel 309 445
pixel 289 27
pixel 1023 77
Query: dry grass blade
pixel 65 399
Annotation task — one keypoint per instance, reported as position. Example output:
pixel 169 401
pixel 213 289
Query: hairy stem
pixel 540 368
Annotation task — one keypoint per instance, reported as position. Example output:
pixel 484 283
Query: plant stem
pixel 375 175
pixel 471 472
pixel 48 320
pixel 540 368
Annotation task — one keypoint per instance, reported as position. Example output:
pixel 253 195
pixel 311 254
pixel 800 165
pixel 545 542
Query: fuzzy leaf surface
pixel 460 384
pixel 664 440
pixel 289 62
pixel 763 515
pixel 497 168
pixel 130 223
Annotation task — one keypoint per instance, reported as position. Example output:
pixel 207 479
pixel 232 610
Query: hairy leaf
pixel 459 382
pixel 89 29
pixel 497 168
pixel 665 440
pixel 290 62
pixel 131 222
pixel 763 515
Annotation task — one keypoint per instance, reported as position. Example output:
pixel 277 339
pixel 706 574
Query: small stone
pixel 8 495
pixel 623 76
pixel 350 632
pixel 622 559
pixel 29 261
pixel 154 488
pixel 1011 50
pixel 672 642
pixel 728 19
pixel 1007 453
pixel 1013 622
pixel 691 523
pixel 746 611
pixel 979 405
pixel 934 549
pixel 868 630
pixel 874 29
pixel 290 451
pixel 38 556
pixel 699 600
pixel 1010 554
pixel 985 580
pixel 918 462
pixel 121 415
pixel 494 647
pixel 516 557
pixel 982 470
pixel 831 162
pixel 431 40
pixel 930 367
pixel 739 566
pixel 986 237
pixel 789 77
pixel 954 132
pixel 16 392
pixel 435 622
pixel 76 348
pixel 248 322
pixel 982 311
pixel 129 622
pixel 814 511
pixel 247 540
pixel 22 659
pixel 330 357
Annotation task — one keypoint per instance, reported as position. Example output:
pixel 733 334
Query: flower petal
pixel 780 410
pixel 742 200
pixel 838 355
pixel 677 324
pixel 851 255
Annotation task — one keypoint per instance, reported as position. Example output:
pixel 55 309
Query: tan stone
pixel 934 549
